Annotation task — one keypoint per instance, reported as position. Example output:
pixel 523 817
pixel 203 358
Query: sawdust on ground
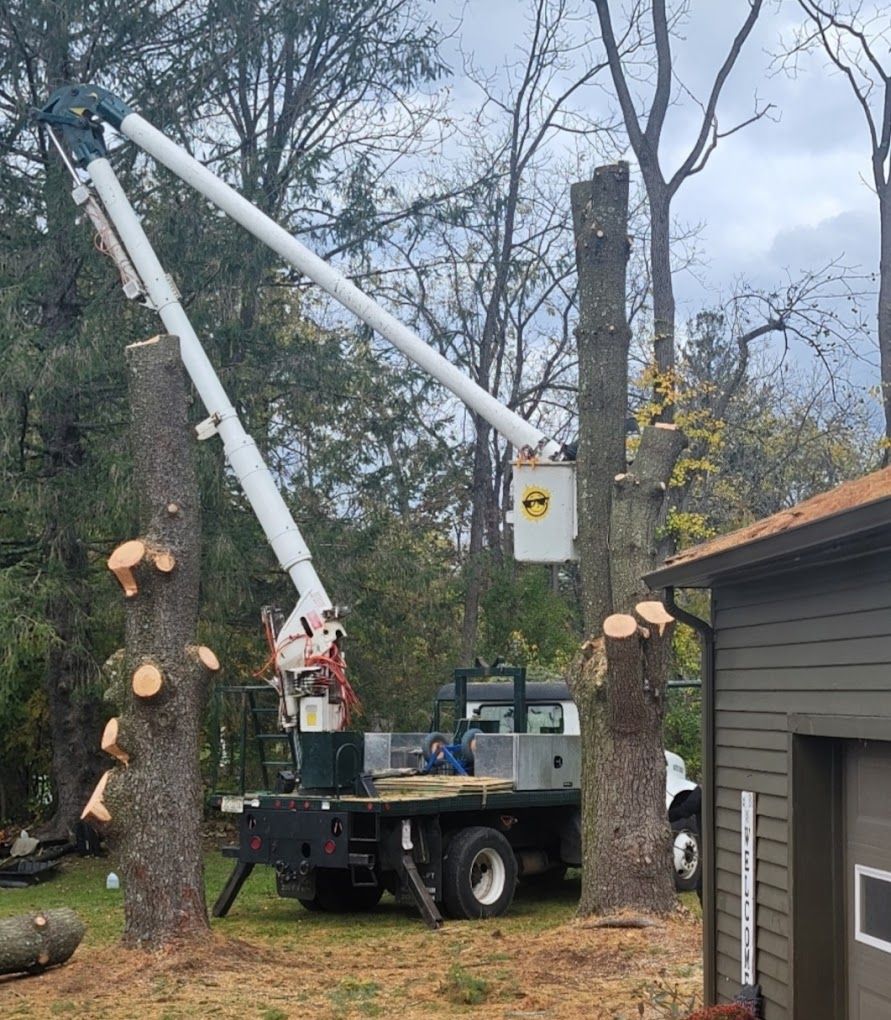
pixel 567 972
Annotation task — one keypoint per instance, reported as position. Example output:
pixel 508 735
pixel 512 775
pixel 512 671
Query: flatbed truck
pixel 453 844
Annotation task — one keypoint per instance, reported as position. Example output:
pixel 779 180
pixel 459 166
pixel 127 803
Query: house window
pixel 872 907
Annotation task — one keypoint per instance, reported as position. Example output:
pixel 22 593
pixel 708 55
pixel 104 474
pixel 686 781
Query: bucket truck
pixel 337 840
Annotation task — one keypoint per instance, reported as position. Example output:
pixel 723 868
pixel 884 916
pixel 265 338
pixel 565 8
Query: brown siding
pixel 816 642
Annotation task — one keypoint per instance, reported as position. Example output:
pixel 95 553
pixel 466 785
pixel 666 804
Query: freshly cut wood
pixel 110 741
pixel 96 811
pixel 147 680
pixel 654 614
pixel 122 563
pixel 29 943
pixel 206 656
pixel 619 626
pixel 163 561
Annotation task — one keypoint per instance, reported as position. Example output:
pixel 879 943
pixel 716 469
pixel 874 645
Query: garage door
pixel 868 880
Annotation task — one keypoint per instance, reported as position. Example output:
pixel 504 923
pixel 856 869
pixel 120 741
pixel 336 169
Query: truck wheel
pixel 336 895
pixel 687 854
pixel 479 874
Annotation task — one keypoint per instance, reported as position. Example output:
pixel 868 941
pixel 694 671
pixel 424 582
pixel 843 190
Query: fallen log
pixel 31 943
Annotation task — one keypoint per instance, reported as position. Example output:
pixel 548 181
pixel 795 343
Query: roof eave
pixel 845 525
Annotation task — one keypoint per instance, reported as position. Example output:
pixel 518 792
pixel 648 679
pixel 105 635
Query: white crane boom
pixel 79 112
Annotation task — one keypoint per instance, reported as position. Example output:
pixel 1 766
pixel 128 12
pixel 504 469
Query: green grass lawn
pixel 258 912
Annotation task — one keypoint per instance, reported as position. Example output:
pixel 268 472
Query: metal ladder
pixel 275 748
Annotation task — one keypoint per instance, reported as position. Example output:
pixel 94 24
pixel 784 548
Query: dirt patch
pixel 468 969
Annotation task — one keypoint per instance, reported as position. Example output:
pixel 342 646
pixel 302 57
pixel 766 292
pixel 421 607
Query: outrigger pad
pixel 232 888
pixel 423 899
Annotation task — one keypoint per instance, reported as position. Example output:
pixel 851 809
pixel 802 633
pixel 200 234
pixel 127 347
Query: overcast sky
pixel 788 192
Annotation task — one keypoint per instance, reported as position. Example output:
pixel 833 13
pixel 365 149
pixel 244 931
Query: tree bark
pixel 884 317
pixel 600 217
pixel 32 942
pixel 618 681
pixel 639 505
pixel 663 292
pixel 626 846
pixel 155 798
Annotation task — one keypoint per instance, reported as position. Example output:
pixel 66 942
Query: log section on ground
pixel 30 943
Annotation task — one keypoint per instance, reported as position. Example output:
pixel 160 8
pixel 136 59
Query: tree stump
pixel 154 794
pixel 30 943
pixel 618 685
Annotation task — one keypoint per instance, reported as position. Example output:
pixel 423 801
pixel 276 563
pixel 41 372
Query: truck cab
pixel 549 709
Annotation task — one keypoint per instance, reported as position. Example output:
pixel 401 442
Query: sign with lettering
pixel 747 903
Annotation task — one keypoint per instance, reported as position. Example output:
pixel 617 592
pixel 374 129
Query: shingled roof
pixel 851 509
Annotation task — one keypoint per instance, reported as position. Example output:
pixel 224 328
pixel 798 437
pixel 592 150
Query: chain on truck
pixel 450 821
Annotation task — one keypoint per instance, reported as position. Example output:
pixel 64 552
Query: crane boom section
pixel 520 433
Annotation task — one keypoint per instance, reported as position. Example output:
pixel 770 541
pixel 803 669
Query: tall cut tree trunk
pixel 620 678
pixel 600 219
pixel 884 321
pixel 154 798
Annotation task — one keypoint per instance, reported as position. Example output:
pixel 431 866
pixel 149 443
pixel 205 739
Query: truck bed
pixel 407 795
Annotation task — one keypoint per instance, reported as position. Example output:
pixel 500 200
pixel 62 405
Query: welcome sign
pixel 747 902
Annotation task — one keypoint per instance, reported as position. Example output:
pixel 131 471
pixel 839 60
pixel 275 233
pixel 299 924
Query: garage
pixel 868 879
pixel 797 754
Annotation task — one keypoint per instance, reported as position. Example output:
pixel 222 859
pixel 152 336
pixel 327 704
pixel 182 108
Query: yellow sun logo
pixel 535 502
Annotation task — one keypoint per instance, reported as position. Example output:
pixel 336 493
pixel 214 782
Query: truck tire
pixel 335 894
pixel 687 853
pixel 479 874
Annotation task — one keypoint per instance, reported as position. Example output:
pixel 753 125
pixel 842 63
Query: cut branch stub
pixel 206 656
pixel 147 680
pixel 656 651
pixel 654 614
pixel 626 702
pixel 619 626
pixel 163 560
pixel 96 811
pixel 110 741
pixel 123 561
